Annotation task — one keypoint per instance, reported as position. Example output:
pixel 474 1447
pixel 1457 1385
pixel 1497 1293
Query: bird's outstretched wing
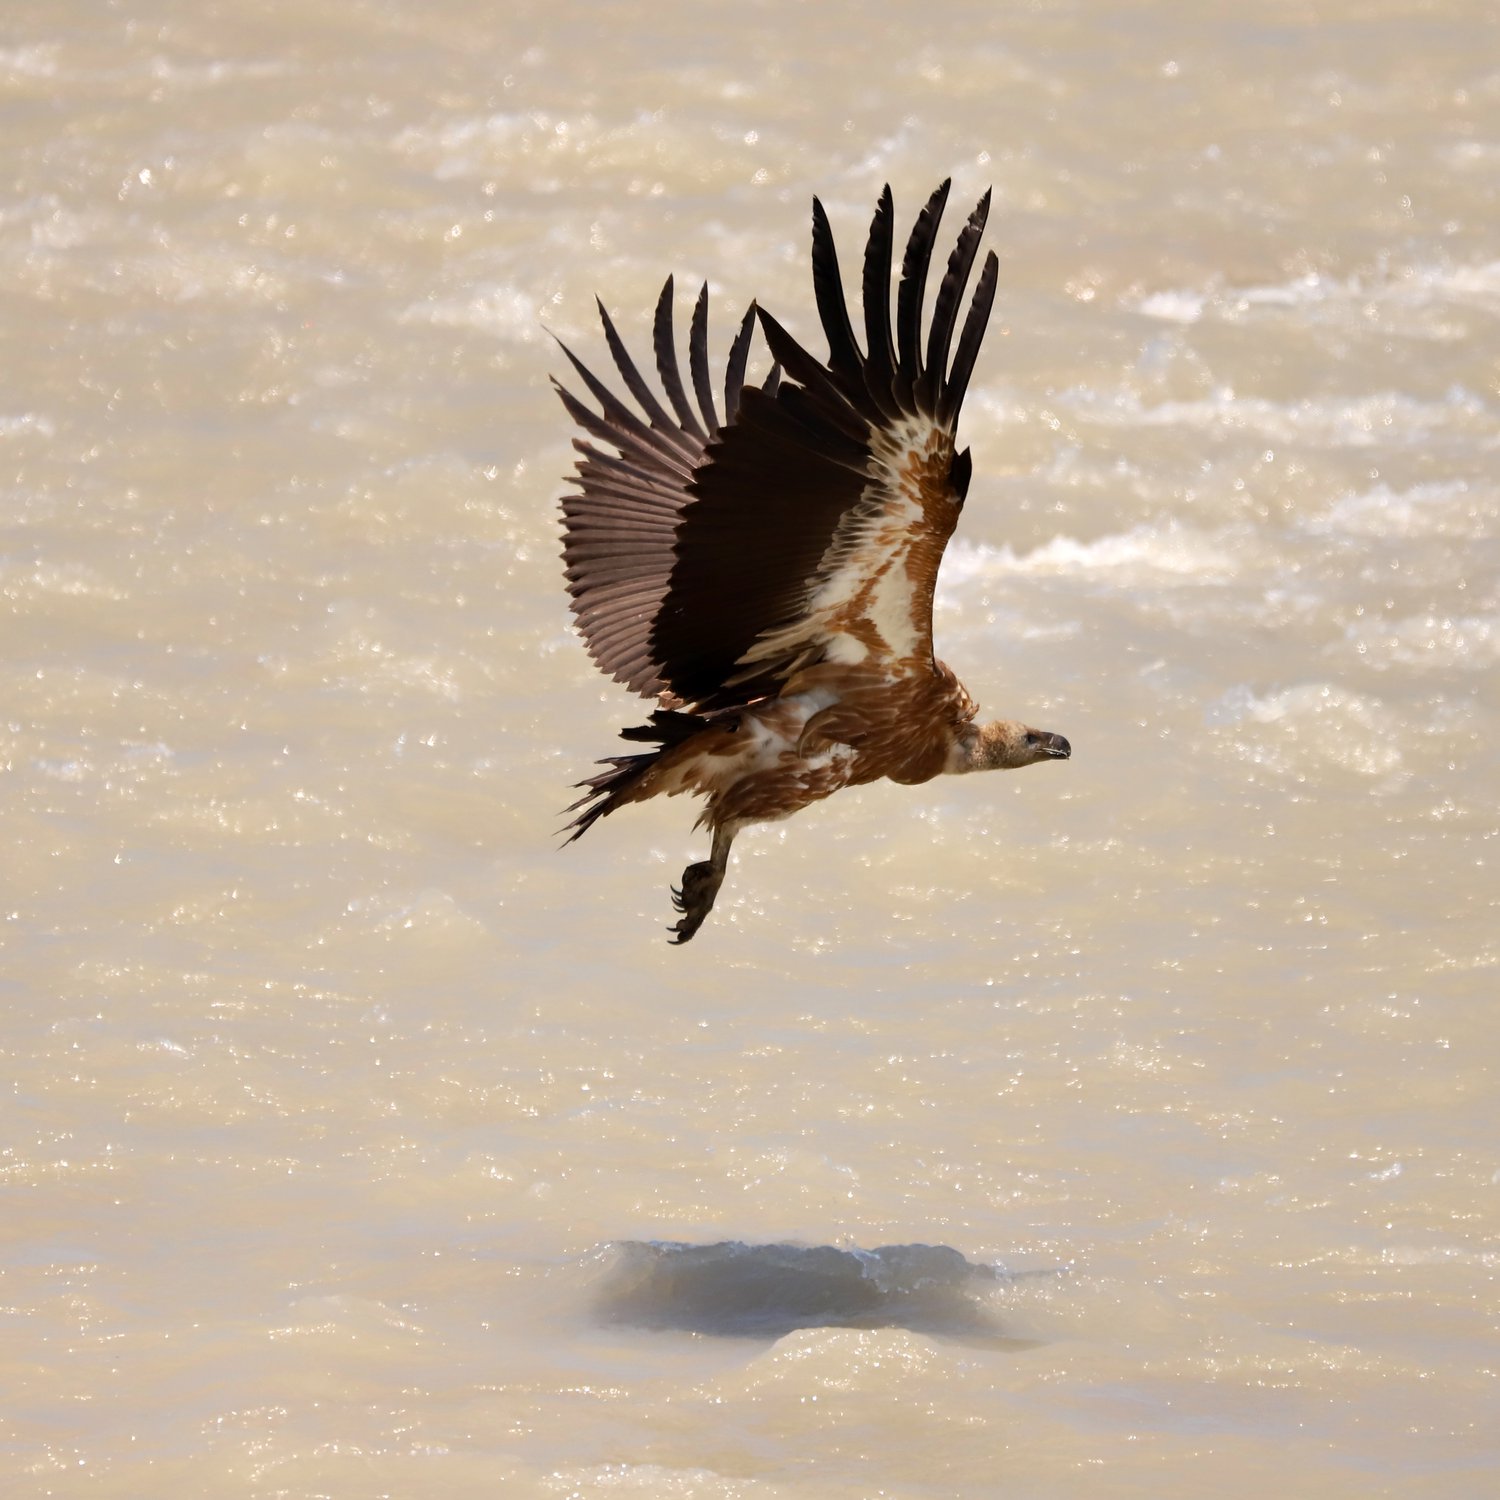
pixel 713 562
pixel 620 525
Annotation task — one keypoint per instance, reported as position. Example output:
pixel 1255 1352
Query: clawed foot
pixel 695 897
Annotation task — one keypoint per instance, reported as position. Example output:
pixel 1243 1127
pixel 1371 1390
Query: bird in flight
pixel 767 580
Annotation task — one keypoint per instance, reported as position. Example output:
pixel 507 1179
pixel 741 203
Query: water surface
pixel 329 1083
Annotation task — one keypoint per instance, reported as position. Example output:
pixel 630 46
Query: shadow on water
pixel 735 1290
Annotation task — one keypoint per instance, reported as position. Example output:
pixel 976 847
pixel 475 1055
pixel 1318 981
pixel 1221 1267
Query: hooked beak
pixel 1056 746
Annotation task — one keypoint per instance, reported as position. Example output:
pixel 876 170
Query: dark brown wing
pixel 620 525
pixel 811 525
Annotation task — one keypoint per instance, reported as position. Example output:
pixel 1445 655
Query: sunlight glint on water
pixel 331 1081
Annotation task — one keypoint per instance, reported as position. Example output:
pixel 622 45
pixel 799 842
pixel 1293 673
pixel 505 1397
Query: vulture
pixel 766 579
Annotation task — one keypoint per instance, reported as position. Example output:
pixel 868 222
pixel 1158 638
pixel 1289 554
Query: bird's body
pixel 769 581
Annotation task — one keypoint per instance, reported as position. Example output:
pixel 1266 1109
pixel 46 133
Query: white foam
pixel 63 579
pixel 1149 551
pixel 1311 725
pixel 1300 292
pixel 36 61
pixel 1411 287
pixel 1459 642
pixel 468 141
pixel 1174 306
pixel 1334 421
pixel 24 422
pixel 505 311
pixel 1451 507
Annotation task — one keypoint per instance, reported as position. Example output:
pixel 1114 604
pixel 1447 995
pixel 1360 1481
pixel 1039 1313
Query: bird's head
pixel 1003 745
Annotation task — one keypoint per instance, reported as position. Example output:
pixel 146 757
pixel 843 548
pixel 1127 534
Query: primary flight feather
pixel 768 579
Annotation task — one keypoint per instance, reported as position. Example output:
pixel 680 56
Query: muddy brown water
pixel 329 1082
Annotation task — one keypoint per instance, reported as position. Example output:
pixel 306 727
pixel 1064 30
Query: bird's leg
pixel 700 884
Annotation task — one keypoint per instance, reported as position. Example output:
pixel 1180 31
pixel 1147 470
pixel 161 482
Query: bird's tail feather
pixel 611 788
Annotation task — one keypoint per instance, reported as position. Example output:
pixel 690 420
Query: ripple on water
pixel 1321 725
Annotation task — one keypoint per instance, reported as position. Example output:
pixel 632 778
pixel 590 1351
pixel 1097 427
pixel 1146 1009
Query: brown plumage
pixel 769 579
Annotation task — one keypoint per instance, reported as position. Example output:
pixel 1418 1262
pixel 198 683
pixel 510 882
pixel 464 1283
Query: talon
pixel 694 898
pixel 686 928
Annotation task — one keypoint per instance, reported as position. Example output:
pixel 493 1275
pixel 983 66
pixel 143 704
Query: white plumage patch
pixel 865 585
